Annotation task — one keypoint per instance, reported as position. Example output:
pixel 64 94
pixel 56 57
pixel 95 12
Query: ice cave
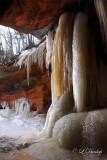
pixel 53 80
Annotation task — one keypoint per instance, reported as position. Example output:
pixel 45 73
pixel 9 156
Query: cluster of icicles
pixel 68 54
pixel 72 55
pixel 31 56
pixel 20 106
pixel 37 55
pixel 56 51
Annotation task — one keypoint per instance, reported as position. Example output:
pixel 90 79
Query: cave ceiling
pixel 33 16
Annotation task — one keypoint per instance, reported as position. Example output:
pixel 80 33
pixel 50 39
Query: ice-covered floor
pixel 13 126
pixel 18 125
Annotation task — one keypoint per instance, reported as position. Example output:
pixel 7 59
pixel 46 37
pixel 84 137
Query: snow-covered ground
pixel 18 125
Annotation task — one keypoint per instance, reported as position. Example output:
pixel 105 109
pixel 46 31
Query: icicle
pixel 63 54
pixel 49 47
pixel 85 72
pixel 52 86
pixel 80 54
pixel 52 76
pixel 38 55
pixel 22 58
pixel 21 106
pixel 100 6
pixel 32 56
pixel 28 68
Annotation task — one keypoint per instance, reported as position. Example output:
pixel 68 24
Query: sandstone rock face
pixel 28 16
pixel 13 86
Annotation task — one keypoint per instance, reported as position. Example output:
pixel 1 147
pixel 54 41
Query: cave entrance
pixel 25 96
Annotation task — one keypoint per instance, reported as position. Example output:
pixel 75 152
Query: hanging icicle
pixel 49 48
pixel 32 56
pixel 80 59
pixel 62 67
pixel 85 71
pixel 101 9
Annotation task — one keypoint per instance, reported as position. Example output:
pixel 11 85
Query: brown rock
pixel 30 15
pixel 13 85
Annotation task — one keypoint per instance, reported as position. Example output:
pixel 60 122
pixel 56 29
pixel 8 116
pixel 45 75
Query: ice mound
pixel 67 131
pixel 62 107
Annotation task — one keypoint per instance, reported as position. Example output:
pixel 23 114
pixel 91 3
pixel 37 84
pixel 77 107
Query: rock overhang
pixel 34 16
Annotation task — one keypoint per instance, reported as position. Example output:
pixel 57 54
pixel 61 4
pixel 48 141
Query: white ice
pixel 15 125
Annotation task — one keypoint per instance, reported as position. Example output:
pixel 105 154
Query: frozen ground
pixel 18 125
pixel 13 126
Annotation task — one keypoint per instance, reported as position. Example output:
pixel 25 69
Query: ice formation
pixel 67 131
pixel 80 54
pixel 20 106
pixel 38 55
pixel 58 54
pixel 101 11
pixel 84 76
pixel 31 56
pixel 4 104
pixel 19 120
pixel 62 65
pixel 63 106
pixel 85 70
pixel 49 48
pixel 74 80
pixel 85 130
pixel 48 116
pixel 95 130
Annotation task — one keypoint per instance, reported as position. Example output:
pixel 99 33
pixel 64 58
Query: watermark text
pixel 84 151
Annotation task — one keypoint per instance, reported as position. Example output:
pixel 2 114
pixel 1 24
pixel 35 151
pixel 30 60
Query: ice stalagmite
pixel 80 55
pixel 62 107
pixel 62 67
pixel 21 106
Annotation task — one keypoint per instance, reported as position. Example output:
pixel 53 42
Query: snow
pixel 19 126
pixel 14 125
pixel 28 51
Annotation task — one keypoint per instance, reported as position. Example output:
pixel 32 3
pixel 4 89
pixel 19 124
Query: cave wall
pixel 13 86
